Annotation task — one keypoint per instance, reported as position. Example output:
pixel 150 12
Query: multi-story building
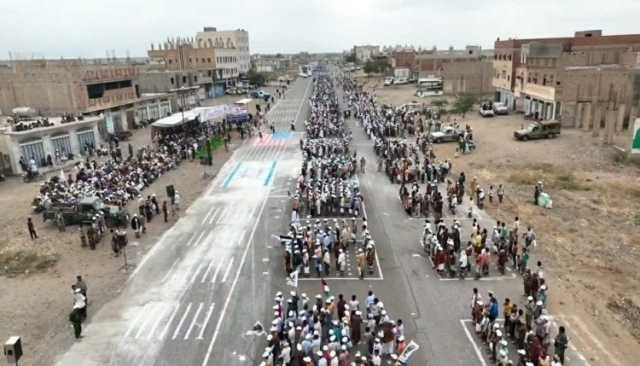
pixel 365 53
pixel 461 71
pixel 79 87
pixel 228 39
pixel 590 81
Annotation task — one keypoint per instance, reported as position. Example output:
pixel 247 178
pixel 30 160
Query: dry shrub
pixel 25 261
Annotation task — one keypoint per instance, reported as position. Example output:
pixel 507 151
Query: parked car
pixel 500 108
pixel 446 134
pixel 538 130
pixel 388 81
pixel 486 109
pixel 401 80
pixel 260 94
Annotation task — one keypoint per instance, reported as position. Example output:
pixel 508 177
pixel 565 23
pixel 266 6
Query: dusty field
pixel 590 239
pixel 35 288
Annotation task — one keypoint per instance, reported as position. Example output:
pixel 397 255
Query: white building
pixel 365 53
pixel 227 39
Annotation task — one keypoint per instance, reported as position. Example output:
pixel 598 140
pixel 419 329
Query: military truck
pixel 85 212
pixel 538 130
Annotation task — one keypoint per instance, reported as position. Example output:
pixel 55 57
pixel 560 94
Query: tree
pixel 464 103
pixel 256 78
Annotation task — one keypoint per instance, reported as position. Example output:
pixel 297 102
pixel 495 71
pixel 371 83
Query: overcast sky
pixel 86 28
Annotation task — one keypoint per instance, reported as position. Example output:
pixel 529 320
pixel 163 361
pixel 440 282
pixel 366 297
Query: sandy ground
pixel 36 302
pixel 589 241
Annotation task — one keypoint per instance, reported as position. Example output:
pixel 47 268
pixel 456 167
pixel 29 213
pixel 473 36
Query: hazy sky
pixel 86 28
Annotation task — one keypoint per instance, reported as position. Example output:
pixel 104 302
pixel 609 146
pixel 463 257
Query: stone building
pixel 587 81
pixel 235 42
pixel 461 71
pixel 78 87
pixel 365 53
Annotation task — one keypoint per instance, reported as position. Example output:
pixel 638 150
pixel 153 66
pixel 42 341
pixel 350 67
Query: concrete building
pixel 37 143
pixel 365 53
pixel 78 87
pixel 461 71
pixel 228 39
pixel 587 81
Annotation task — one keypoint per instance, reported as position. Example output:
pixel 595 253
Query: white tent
pixel 176 119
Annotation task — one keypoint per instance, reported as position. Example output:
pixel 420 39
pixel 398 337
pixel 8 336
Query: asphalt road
pixel 202 284
pixel 215 273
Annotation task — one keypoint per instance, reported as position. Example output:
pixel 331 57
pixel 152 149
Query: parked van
pixel 538 130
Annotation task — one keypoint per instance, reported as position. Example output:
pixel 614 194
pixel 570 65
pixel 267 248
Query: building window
pixel 209 59
pixel 195 79
pixel 170 61
pixel 184 79
pixel 509 57
pixel 172 81
pixel 189 59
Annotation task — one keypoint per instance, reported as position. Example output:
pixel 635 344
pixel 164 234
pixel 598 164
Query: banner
pixel 635 144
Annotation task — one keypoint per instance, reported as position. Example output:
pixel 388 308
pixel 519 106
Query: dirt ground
pixel 35 288
pixel 589 241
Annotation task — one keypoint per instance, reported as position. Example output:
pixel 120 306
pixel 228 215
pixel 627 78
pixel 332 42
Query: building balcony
pixel 501 84
pixel 112 98
pixel 539 91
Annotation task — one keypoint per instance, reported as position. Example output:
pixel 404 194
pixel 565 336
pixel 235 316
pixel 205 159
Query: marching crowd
pixel 326 184
pixel 528 328
pixel 319 247
pixel 330 331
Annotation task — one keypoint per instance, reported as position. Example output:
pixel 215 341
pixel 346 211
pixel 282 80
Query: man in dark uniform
pixel 32 229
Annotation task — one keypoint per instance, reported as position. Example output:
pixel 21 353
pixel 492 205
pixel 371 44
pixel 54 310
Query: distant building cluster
pixel 589 81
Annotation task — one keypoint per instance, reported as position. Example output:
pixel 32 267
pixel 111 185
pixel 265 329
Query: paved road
pixel 192 295
pixel 215 273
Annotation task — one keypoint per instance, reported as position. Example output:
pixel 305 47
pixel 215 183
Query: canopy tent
pixel 176 119
pixel 212 114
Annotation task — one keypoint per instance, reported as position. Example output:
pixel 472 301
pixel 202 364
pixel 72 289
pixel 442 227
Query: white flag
pixel 293 279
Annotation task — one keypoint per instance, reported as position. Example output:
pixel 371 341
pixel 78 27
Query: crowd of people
pixel 322 248
pixel 326 184
pixel 330 331
pixel 528 328
pixel 116 179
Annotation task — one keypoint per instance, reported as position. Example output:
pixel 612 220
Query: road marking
pixel 204 277
pixel 215 274
pixel 166 276
pixel 193 322
pixel 135 321
pixel 191 239
pixel 166 327
pixel 226 273
pixel 473 343
pixel 197 240
pixel 175 333
pixel 206 321
pixel 227 181
pixel 471 277
pixel 195 274
pixel 204 240
pixel 272 168
pixel 213 209
pixel 157 322
pixel 146 320
pixel 235 281
pixel 223 215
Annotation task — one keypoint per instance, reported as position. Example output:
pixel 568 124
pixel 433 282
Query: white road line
pixel 213 217
pixel 166 327
pixel 211 210
pixel 195 274
pixel 158 320
pixel 204 240
pixel 193 322
pixel 215 274
pixel 199 237
pixel 222 218
pixel 206 321
pixel 473 343
pixel 235 282
pixel 177 331
pixel 170 271
pixel 191 239
pixel 206 273
pixel 226 273
pixel 471 277
pixel 149 316
pixel 141 312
